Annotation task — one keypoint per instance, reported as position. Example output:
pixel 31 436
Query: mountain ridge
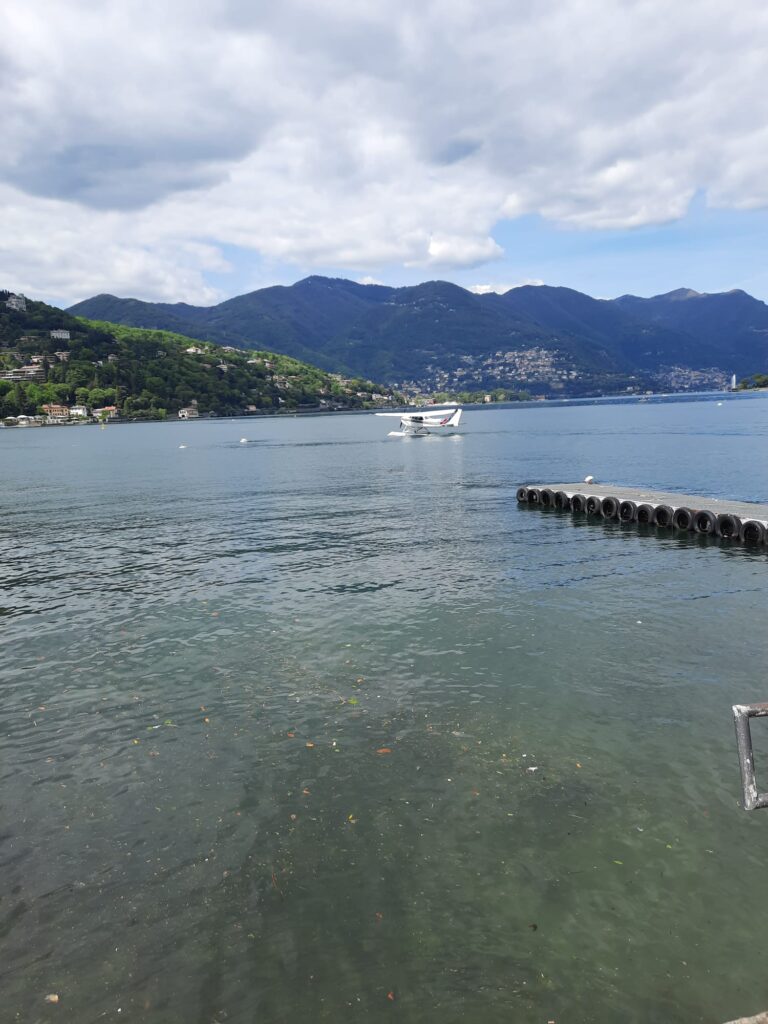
pixel 439 335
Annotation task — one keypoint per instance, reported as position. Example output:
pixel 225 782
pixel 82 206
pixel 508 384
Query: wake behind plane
pixel 426 421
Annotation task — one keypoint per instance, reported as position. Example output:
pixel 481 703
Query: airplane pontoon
pixel 425 421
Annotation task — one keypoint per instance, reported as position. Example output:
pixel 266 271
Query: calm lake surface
pixel 269 711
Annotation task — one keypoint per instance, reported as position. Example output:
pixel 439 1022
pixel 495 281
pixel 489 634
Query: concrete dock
pixel 743 521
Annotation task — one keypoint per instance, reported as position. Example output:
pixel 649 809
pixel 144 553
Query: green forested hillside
pixel 419 332
pixel 149 374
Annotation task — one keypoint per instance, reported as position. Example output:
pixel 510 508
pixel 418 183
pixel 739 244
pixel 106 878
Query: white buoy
pixel 182 446
pixel 589 479
pixel 719 403
pixel 243 440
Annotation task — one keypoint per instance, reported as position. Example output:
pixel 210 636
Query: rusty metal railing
pixel 742 713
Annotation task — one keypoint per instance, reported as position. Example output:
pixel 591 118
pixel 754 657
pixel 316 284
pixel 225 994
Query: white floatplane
pixel 425 421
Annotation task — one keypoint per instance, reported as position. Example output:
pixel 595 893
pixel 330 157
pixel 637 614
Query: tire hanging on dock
pixel 627 511
pixel 682 518
pixel 533 496
pixel 594 506
pixel 578 503
pixel 705 521
pixel 547 498
pixel 562 501
pixel 752 532
pixel 645 514
pixel 522 494
pixel 610 507
pixel 728 526
pixel 662 515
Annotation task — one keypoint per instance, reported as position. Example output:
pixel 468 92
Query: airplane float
pixel 425 421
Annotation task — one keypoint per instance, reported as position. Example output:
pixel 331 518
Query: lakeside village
pixel 545 373
pixel 62 372
pixel 545 370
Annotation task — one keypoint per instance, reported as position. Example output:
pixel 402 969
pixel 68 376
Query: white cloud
pixel 319 133
pixel 500 289
pixel 458 251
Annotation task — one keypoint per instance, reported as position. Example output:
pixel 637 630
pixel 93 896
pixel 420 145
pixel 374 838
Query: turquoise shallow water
pixel 269 711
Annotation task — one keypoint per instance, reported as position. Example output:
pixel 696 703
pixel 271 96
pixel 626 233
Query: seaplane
pixel 426 421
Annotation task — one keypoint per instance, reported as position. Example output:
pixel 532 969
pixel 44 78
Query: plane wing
pixel 426 411
pixel 434 417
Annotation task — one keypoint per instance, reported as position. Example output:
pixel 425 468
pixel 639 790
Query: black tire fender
pixel 627 511
pixel 610 507
pixel 562 500
pixel 728 526
pixel 705 521
pixel 522 494
pixel 752 532
pixel 534 496
pixel 594 506
pixel 547 498
pixel 682 518
pixel 578 503
pixel 645 514
pixel 662 515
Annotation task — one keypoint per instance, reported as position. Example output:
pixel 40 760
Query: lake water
pixel 270 712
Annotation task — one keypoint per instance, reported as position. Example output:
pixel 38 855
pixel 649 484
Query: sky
pixel 197 149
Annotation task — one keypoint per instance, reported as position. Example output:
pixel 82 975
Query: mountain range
pixel 438 335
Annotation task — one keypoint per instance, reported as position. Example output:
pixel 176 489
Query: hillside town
pixel 58 371
pixel 544 372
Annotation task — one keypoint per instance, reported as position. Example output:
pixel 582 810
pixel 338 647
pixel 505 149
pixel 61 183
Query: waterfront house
pixel 79 412
pixel 107 412
pixel 56 413
pixel 189 412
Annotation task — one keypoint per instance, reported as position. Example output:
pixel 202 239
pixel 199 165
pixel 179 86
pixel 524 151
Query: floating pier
pixel 742 521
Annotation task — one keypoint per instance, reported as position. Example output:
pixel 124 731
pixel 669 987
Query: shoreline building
pixel 17 303
pixel 107 412
pixel 56 413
